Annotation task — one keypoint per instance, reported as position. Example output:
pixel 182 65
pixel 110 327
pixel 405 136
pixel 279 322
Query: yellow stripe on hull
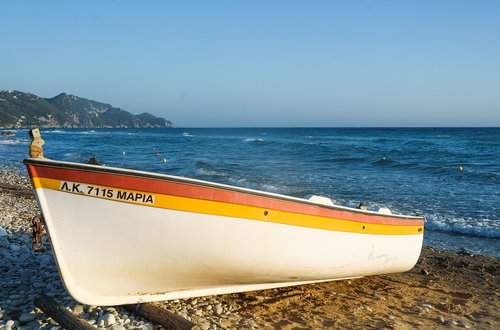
pixel 194 205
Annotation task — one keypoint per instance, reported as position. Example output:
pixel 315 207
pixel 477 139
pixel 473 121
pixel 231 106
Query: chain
pixel 37 227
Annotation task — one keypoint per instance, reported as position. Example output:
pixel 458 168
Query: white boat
pixel 122 236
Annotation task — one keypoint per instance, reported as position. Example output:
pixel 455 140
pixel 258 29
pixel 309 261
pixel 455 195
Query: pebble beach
pixel 444 290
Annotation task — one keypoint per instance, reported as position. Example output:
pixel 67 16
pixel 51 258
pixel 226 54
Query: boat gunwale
pixel 196 182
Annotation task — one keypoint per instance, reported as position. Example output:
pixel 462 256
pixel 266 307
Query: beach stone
pixel 78 309
pixel 106 320
pixel 116 327
pixel 440 319
pixel 416 309
pixel 427 306
pixel 204 326
pixel 465 252
pixel 44 259
pixel 16 302
pixel 451 323
pixel 463 324
pixel 9 324
pixel 90 308
pixel 33 325
pixel 224 323
pixel 218 309
pixel 27 317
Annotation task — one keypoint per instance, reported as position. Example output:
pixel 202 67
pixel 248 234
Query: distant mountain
pixel 23 110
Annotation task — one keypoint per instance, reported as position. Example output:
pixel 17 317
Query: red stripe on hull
pixel 193 190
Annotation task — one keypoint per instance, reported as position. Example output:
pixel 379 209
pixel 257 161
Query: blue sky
pixel 263 63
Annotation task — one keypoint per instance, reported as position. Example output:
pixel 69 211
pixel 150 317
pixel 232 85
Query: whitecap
pixel 253 140
pixel 88 132
pixel 207 172
pixel 14 142
pixel 256 186
pixel 8 142
pixel 479 229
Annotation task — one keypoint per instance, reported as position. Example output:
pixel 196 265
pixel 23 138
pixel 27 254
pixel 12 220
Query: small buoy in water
pixel 460 168
pixel 164 160
pixel 123 153
pixel 157 154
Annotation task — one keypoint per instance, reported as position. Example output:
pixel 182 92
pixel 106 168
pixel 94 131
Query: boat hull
pixel 176 239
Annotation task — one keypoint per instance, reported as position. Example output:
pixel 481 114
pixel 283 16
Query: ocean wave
pixel 59 131
pixel 8 142
pixel 244 183
pixel 207 171
pixel 253 140
pixel 204 169
pixel 342 160
pixel 187 134
pixel 13 142
pixel 462 228
pixel 384 161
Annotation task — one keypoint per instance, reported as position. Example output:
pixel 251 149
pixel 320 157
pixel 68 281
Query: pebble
pixel 451 323
pixel 463 324
pixel 17 302
pixel 204 326
pixel 106 320
pixel 416 309
pixel 440 319
pixel 9 325
pixel 116 327
pixel 27 317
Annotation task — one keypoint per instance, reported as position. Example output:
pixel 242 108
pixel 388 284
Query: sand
pixel 444 290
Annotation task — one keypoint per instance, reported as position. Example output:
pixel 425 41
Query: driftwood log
pixel 156 314
pixel 16 190
pixel 60 314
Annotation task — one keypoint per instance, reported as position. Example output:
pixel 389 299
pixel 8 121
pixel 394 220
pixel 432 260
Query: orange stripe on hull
pixel 208 193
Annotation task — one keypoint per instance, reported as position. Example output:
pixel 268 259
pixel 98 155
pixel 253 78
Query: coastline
pixel 444 289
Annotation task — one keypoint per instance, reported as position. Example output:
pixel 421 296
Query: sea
pixel 449 175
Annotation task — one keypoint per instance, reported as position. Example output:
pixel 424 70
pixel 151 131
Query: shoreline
pixel 444 289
